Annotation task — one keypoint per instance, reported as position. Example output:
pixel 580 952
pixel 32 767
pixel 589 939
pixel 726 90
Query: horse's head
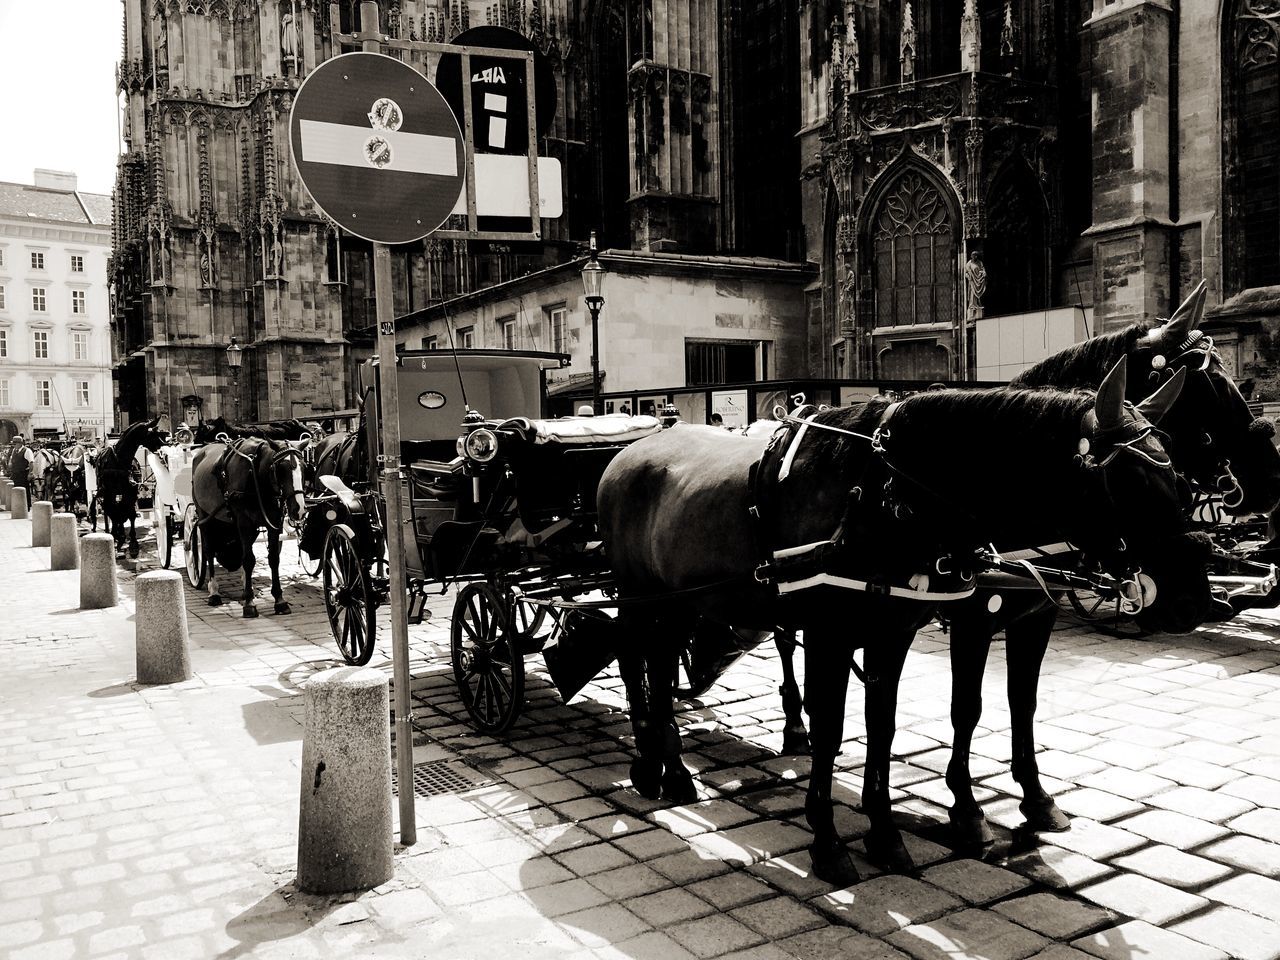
pixel 1213 437
pixel 153 438
pixel 287 459
pixel 1130 514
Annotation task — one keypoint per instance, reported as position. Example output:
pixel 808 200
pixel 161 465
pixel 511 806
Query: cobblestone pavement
pixel 161 822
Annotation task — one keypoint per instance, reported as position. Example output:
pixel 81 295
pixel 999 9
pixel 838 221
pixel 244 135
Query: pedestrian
pixel 73 459
pixel 717 420
pixel 625 410
pixel 20 458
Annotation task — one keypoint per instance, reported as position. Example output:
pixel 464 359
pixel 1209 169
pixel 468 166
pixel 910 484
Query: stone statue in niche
pixel 289 38
pixel 206 267
pixel 277 256
pixel 975 283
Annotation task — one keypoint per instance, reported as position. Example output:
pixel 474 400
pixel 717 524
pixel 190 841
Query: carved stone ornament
pixel 1256 32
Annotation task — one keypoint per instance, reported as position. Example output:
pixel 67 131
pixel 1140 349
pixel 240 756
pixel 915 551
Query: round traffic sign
pixel 377 147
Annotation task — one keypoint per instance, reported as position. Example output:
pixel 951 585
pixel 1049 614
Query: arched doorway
pixel 912 242
pixel 1015 249
pixel 8 430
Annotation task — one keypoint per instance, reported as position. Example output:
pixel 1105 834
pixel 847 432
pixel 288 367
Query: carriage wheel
pixel 162 526
pixel 193 547
pixel 308 564
pixel 1103 612
pixel 487 663
pixel 348 598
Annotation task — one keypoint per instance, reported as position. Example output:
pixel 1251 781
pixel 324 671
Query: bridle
pixel 233 446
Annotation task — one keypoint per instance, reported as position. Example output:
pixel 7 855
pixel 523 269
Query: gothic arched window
pixel 1252 168
pixel 913 247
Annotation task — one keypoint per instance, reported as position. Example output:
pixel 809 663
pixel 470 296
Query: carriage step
pixel 418 611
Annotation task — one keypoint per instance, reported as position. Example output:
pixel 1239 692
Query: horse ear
pixel 1187 317
pixel 1157 405
pixel 1109 404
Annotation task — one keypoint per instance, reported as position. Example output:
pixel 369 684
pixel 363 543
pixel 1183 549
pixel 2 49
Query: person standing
pixel 20 463
pixel 73 460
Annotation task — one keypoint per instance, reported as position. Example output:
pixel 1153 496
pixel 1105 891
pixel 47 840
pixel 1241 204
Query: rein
pixel 233 447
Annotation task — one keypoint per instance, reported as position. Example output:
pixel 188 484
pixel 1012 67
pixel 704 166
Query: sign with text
pixel 732 407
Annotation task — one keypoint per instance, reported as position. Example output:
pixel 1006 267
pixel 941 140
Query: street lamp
pixel 592 282
pixel 233 363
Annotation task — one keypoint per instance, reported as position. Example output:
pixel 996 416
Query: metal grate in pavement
pixel 435 778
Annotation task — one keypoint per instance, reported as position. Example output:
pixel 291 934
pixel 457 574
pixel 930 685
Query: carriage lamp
pixel 233 364
pixel 481 445
pixel 592 284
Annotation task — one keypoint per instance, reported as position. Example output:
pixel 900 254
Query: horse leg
pixel 795 738
pixel 133 535
pixel 677 782
pixel 1025 644
pixel 273 561
pixel 970 643
pixel 646 768
pixel 827 660
pixel 884 662
pixel 247 536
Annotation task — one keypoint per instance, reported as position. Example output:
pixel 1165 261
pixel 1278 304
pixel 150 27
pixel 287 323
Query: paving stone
pixel 1054 915
pixel 688 866
pixel 668 907
pixel 1241 935
pixel 838 943
pixel 1175 829
pixel 654 945
pixel 651 844
pixel 1097 804
pixel 1253 894
pixel 1096 840
pixel 883 904
pixel 702 817
pixel 1263 791
pixel 731 890
pixel 777 918
pixel 1194 773
pixel 973 881
pixel 1060 951
pixel 624 883
pixel 1142 898
pixel 1247 853
pixel 596 858
pixel 600 925
pixel 1263 824
pixel 713 936
pixel 751 843
pixel 1133 784
pixel 979 934
pixel 568 897
pixel 1172 866
pixel 1138 938
pixel 1204 804
pixel 1056 867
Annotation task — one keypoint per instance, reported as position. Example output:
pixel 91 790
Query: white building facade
pixel 55 345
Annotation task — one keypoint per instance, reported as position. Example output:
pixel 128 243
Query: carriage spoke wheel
pixel 348 597
pixel 488 666
pixel 162 527
pixel 193 547
pixel 308 564
pixel 1104 613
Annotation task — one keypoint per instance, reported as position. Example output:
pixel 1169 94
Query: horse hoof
pixel 250 611
pixel 833 865
pixel 678 786
pixel 215 601
pixel 133 552
pixel 795 743
pixel 887 850
pixel 970 829
pixel 1045 815
pixel 646 777
pixel 283 607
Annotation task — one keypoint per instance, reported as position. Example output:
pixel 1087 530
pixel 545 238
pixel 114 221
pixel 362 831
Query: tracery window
pixel 913 243
pixel 1252 69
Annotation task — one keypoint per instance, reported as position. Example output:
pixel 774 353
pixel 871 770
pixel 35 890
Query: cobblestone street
pixel 161 822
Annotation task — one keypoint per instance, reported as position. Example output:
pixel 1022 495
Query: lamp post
pixel 592 282
pixel 233 364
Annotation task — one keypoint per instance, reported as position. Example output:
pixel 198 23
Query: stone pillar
pixel 161 628
pixel 1132 165
pixel 344 821
pixel 41 518
pixel 6 488
pixel 98 572
pixel 18 503
pixel 64 542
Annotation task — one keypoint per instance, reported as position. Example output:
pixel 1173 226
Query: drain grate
pixel 435 778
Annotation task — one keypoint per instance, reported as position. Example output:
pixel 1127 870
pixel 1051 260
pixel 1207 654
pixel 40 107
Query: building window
pixel 80 346
pixel 4 343
pixel 1 297
pixel 40 344
pixel 914 250
pixel 77 302
pixel 507 327
pixel 1 256
pixel 77 264
pixel 467 338
pixel 557 325
pixel 37 261
pixel 38 299
pixel 430 343
pixel 82 393
pixel 713 362
pixel 4 393
pixel 44 393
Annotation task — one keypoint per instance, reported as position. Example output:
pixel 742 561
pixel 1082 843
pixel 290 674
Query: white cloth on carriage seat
pixel 610 428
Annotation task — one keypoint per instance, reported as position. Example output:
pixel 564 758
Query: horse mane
pixel 1085 363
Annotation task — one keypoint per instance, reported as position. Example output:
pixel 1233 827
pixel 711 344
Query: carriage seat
pixel 584 431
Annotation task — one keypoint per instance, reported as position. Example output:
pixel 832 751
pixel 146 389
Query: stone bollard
pixel 344 822
pixel 6 490
pixel 97 571
pixel 18 503
pixel 41 522
pixel 64 542
pixel 160 629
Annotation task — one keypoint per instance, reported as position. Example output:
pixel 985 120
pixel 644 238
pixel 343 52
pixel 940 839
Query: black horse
pixel 888 494
pixel 117 488
pixel 238 488
pixel 211 431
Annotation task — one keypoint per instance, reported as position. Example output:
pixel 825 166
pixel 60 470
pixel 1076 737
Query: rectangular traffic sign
pixel 502 187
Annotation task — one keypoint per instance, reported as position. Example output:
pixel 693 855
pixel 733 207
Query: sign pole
pixel 389 416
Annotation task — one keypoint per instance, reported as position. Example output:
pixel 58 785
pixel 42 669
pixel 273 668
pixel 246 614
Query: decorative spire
pixel 852 57
pixel 970 38
pixel 907 54
pixel 1009 36
pixel 455 24
pixel 535 21
pixel 835 84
